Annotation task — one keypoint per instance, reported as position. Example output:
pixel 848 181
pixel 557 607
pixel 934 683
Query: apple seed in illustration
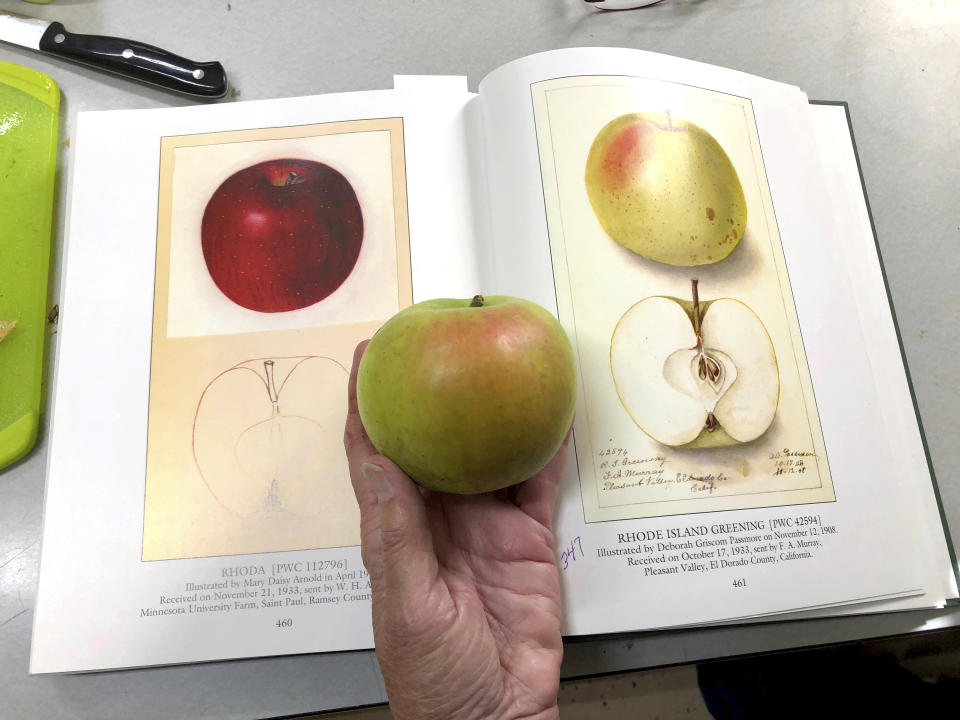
pixel 695 374
pixel 282 234
pixel 665 189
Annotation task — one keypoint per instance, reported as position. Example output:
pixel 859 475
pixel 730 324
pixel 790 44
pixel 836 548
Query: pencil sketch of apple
pixel 695 374
pixel 665 189
pixel 282 234
pixel 267 436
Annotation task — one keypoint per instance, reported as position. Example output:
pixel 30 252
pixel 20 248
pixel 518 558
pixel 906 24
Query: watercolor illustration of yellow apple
pixel 665 188
pixel 260 444
pixel 695 374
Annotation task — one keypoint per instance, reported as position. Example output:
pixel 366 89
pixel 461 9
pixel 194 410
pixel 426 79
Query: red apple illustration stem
pixel 273 496
pixel 272 387
pixel 477 301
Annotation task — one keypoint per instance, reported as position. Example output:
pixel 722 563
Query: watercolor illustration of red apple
pixel 267 436
pixel 282 234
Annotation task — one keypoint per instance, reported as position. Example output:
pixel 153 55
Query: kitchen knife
pixel 129 58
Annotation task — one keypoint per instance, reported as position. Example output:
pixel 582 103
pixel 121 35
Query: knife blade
pixel 129 58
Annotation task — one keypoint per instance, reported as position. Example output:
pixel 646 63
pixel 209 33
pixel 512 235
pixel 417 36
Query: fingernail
pixel 375 475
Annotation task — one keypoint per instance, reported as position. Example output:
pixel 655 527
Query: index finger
pixel 355 440
pixel 538 496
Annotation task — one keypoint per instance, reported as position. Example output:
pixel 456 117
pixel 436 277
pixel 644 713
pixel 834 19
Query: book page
pixel 251 347
pixel 667 432
pixel 868 284
pixel 856 241
pixel 798 514
pixel 201 376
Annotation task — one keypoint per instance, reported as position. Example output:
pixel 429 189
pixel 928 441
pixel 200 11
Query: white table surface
pixel 893 61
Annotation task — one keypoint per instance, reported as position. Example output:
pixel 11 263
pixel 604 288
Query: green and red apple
pixel 468 396
pixel 695 374
pixel 665 189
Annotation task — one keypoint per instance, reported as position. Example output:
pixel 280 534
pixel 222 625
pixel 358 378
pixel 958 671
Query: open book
pixel 746 446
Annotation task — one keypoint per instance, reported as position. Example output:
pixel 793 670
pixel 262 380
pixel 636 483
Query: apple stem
pixel 271 386
pixel 709 368
pixel 696 313
pixel 291 178
pixel 477 301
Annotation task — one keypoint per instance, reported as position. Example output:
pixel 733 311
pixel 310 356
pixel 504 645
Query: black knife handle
pixel 137 60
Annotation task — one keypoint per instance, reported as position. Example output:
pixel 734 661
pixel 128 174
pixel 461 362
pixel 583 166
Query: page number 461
pixel 740 583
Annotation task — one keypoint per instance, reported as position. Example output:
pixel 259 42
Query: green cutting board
pixel 29 107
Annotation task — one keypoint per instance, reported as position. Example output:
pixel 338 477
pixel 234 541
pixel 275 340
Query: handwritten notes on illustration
pixel 621 469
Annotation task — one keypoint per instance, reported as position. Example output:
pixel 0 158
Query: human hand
pixel 466 592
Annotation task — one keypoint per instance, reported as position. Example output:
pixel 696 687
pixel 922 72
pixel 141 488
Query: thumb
pixel 407 556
